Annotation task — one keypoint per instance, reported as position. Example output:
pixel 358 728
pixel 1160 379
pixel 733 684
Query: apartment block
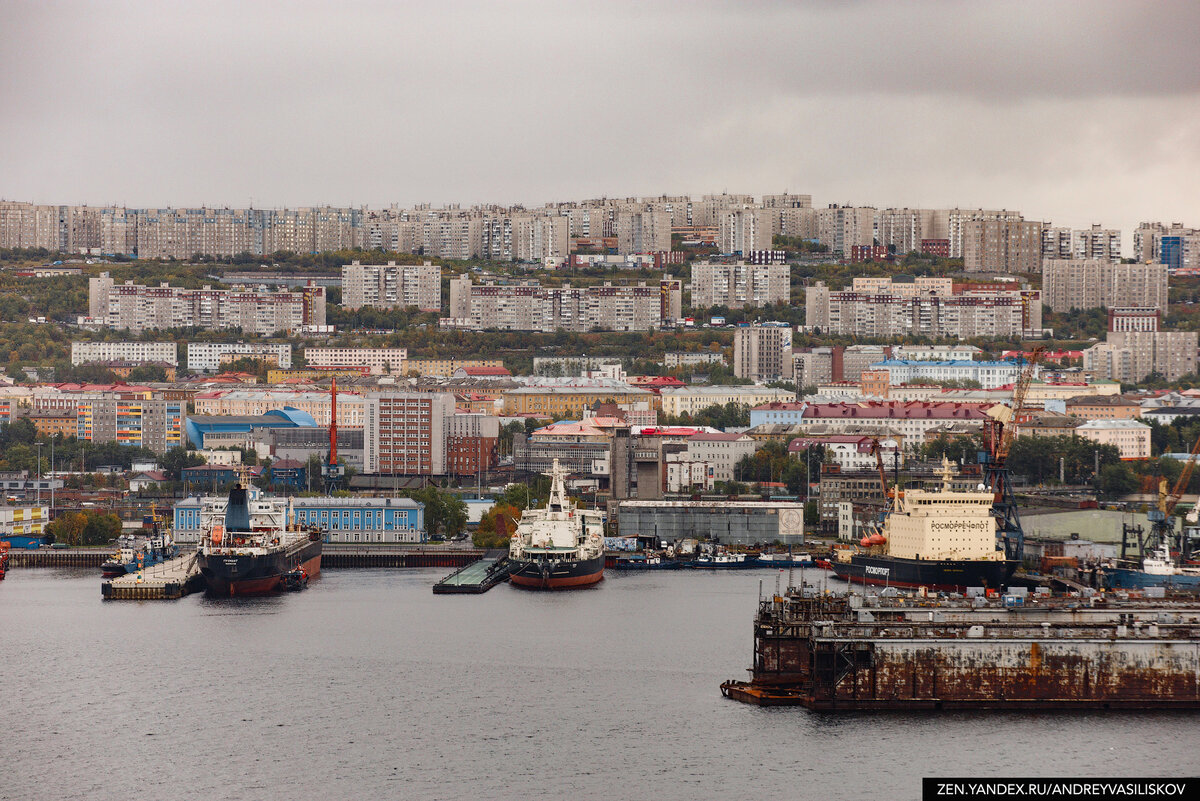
pixel 391 286
pixel 763 352
pixel 142 422
pixel 842 227
pixel 928 307
pixel 380 360
pixel 528 306
pixel 1090 283
pixel 744 230
pixel 1057 243
pixel 137 308
pixel 1131 356
pixel 739 284
pixel 207 357
pixel 643 231
pixel 673 359
pixel 129 352
pixel 405 433
pixel 906 229
pixel 951 224
pixel 1098 243
pixel 1002 246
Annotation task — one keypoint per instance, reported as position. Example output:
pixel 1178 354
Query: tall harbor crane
pixel 1162 524
pixel 333 469
pixel 1001 431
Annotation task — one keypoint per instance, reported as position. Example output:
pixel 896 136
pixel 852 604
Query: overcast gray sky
pixel 1072 112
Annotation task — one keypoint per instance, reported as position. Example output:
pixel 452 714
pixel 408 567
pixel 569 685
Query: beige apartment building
pixel 643 231
pixel 132 352
pixel 892 310
pixel 1130 437
pixel 1090 283
pixel 1002 246
pixel 380 360
pixel 139 308
pixel 843 227
pixel 747 229
pixel 762 352
pixel 739 284
pixel 391 286
pixel 528 306
pixel 1098 243
pixel 693 399
pixel 1130 356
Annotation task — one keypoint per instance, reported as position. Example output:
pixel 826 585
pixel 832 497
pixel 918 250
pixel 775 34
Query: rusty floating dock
pixel 167 581
pixel 847 652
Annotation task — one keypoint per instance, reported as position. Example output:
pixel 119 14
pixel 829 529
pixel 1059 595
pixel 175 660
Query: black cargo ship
pixel 952 575
pixel 248 554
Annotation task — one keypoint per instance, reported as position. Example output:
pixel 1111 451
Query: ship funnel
pixel 237 511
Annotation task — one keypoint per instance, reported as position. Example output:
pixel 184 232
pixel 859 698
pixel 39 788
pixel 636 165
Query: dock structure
pixel 477 577
pixel 345 556
pixel 167 581
pixel 74 557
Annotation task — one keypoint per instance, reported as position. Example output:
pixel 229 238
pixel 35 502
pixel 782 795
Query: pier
pixel 75 557
pixel 477 577
pixel 172 579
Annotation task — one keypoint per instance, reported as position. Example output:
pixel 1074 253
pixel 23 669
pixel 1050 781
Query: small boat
pixel 3 559
pixel 135 553
pixel 786 560
pixel 721 559
pixel 295 579
pixel 1158 570
pixel 648 562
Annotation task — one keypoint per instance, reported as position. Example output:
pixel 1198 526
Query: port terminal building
pixel 344 520
pixel 727 522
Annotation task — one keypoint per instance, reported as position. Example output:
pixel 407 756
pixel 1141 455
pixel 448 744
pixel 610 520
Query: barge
pixel 849 652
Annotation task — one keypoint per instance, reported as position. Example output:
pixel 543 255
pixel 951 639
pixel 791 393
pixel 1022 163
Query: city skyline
pixel 1080 114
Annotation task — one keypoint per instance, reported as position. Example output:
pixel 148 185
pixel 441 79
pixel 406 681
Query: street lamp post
pixel 39 474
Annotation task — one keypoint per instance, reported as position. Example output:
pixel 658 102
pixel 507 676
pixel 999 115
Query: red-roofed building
pixel 655 383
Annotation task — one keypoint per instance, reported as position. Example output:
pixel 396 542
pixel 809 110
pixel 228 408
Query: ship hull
pixel 1118 578
pixel 257 574
pixel 562 574
pixel 951 575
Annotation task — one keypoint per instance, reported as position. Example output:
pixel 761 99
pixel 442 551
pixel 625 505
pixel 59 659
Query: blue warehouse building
pixel 349 520
pixel 198 427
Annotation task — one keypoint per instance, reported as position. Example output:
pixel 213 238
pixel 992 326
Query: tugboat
pixel 1158 570
pixel 942 539
pixel 558 546
pixel 251 547
pixel 717 558
pixel 135 552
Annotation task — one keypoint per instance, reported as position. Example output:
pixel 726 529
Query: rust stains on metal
pixel 832 652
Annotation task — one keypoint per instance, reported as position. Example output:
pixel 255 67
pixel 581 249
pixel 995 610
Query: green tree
pixel 101 529
pixel 176 459
pixel 445 513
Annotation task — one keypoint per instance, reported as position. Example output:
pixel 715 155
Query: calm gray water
pixel 368 686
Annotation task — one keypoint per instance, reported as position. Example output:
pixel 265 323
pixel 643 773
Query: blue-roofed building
pixel 350 520
pixel 989 374
pixel 198 426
